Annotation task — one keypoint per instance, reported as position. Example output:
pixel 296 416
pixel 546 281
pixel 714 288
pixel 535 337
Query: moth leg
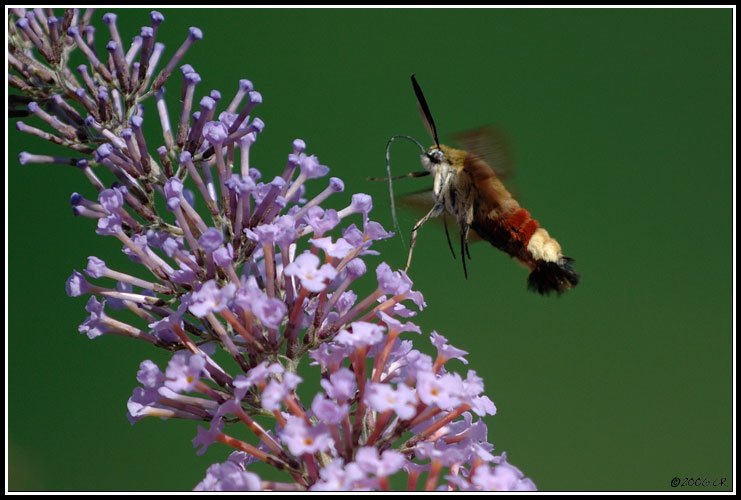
pixel 468 251
pixel 465 227
pixel 464 248
pixel 396 178
pixel 434 212
pixel 447 235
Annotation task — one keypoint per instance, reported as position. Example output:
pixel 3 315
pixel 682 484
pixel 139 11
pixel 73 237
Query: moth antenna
pixel 424 111
pixel 390 179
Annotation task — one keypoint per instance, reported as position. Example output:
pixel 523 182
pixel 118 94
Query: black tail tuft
pixel 550 277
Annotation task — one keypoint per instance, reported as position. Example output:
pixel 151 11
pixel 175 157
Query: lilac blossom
pixel 247 262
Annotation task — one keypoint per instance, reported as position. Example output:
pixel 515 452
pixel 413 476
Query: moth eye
pixel 435 155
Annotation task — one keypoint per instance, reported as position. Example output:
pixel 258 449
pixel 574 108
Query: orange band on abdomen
pixel 521 226
pixel 517 219
pixel 528 230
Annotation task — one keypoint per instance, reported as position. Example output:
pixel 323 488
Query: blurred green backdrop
pixel 621 121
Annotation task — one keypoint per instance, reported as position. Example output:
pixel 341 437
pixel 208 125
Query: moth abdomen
pixel 521 236
pixel 550 276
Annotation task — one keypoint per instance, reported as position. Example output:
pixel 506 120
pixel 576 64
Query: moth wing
pixel 418 201
pixel 491 145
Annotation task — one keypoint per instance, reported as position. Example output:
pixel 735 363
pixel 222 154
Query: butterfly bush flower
pixel 248 262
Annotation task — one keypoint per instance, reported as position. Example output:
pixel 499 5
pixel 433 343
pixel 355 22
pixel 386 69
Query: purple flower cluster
pixel 251 266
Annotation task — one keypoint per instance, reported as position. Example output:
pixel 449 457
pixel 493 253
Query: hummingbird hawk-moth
pixel 466 187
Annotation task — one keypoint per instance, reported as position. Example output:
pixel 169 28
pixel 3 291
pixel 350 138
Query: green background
pixel 621 122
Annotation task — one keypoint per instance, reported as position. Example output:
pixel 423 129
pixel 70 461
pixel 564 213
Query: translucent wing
pixel 491 145
pixel 420 201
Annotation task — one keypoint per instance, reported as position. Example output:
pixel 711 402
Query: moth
pixel 467 188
